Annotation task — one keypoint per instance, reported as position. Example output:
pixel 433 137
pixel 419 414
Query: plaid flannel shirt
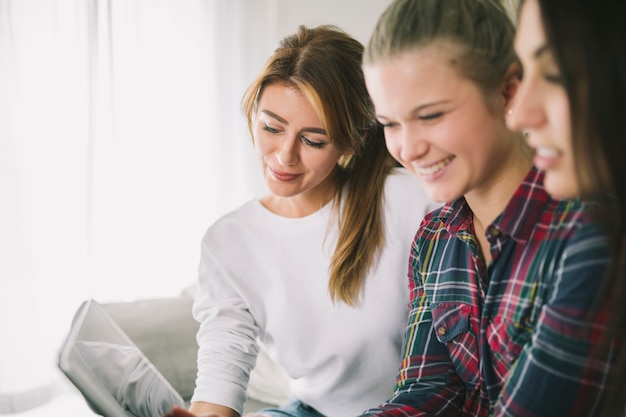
pixel 515 337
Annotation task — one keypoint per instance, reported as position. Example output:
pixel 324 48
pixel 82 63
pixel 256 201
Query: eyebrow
pixel 306 129
pixel 427 105
pixel 417 109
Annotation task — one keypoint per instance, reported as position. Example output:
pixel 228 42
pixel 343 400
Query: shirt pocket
pixel 452 325
pixel 506 339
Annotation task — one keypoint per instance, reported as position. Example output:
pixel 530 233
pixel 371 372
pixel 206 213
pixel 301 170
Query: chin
pixel 439 197
pixel 559 187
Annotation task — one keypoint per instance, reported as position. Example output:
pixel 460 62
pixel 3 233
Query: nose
pixel 526 111
pixel 287 153
pixel 412 145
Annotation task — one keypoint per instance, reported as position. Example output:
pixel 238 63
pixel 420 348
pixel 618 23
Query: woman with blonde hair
pixel 315 269
pixel 503 277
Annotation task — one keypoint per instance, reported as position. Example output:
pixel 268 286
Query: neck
pixel 489 201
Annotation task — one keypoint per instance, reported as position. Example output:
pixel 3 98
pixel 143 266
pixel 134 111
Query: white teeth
pixel 436 167
pixel 547 152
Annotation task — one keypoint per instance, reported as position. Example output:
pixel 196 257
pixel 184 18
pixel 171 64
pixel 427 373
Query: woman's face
pixel 294 150
pixel 438 124
pixel 541 106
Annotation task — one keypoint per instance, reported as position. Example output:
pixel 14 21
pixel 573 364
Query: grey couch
pixel 165 331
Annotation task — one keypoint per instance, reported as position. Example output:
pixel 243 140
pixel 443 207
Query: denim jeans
pixel 295 408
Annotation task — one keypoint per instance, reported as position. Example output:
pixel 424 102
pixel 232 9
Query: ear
pixel 511 84
pixel 344 159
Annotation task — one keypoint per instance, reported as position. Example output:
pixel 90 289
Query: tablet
pixel 113 375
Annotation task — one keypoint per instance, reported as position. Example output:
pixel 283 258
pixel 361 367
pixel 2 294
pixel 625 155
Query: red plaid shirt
pixel 513 338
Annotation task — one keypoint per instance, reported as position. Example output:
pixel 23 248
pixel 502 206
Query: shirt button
pixel 494 232
pixel 442 331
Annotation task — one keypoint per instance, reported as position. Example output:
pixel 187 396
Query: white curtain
pixel 178 154
pixel 44 130
pixel 121 140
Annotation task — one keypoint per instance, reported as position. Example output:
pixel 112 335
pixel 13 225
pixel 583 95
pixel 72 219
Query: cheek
pixel 562 130
pixel 319 164
pixel 393 144
pixel 327 162
pixel 562 123
pixel 262 145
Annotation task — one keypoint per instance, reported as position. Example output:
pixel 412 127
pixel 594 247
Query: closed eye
pixel 309 142
pixel 553 78
pixel 431 116
pixel 387 125
pixel 266 127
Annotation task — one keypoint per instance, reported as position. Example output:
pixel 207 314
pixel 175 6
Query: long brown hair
pixel 586 39
pixel 324 64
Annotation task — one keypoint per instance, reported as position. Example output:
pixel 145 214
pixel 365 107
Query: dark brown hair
pixel 587 39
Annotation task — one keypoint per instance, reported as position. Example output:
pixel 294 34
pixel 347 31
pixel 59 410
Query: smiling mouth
pixel 282 176
pixel 546 152
pixel 429 170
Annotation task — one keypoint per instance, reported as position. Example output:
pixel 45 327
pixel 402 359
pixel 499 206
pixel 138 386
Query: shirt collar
pixel 523 212
pixel 518 218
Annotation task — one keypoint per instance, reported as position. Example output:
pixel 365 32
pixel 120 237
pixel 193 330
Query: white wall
pixel 357 17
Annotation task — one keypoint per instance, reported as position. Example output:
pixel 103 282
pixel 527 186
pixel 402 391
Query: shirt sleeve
pixel 227 347
pixel 562 369
pixel 427 382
